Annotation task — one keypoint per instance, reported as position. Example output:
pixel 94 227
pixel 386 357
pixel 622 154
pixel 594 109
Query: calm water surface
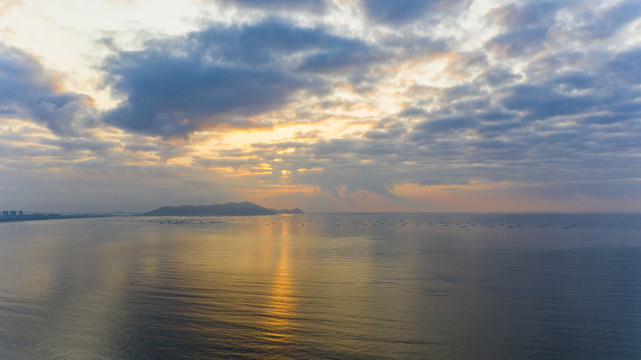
pixel 323 286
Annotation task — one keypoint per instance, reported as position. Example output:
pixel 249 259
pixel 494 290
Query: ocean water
pixel 323 286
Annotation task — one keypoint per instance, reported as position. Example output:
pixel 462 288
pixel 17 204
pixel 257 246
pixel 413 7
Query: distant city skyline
pixel 325 105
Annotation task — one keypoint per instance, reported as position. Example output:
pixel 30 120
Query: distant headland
pixel 227 209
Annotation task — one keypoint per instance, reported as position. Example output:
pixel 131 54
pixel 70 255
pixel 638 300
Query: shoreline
pixel 47 217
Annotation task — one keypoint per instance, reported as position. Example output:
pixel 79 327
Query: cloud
pixel 498 76
pixel 73 145
pixel 576 80
pixel 626 66
pixel 412 112
pixel 6 5
pixel 308 5
pixel 28 91
pixel 609 21
pixel 543 101
pixel 526 27
pixel 525 15
pixel 223 76
pixel 564 124
pixel 560 116
pixel 386 130
pixel 519 42
pixel 177 96
pixel 446 124
pixel 401 12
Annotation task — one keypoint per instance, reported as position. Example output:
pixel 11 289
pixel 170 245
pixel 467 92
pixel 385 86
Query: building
pixel 12 213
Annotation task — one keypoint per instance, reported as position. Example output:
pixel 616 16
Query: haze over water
pixel 323 286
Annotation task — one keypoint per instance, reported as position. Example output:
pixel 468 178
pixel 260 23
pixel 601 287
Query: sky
pixel 325 105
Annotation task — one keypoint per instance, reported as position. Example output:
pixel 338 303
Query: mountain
pixel 286 211
pixel 227 209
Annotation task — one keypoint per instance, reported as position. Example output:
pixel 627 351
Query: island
pixel 245 208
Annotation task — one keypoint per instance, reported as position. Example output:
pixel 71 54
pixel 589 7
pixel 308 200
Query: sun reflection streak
pixel 280 305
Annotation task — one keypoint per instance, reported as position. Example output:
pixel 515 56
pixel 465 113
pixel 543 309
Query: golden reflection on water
pixel 280 304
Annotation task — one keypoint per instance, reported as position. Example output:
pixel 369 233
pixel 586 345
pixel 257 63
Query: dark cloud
pixel 519 42
pixel 140 147
pixel 389 133
pixel 471 104
pixel 412 112
pixel 495 115
pixel 176 96
pixel 401 12
pixel 27 91
pixel 526 27
pixel 457 92
pixel 609 119
pixel 578 80
pixel 542 102
pixel 275 43
pixel 341 58
pixel 281 44
pixel 224 75
pixel 626 66
pixel 498 76
pixel 609 21
pixel 446 124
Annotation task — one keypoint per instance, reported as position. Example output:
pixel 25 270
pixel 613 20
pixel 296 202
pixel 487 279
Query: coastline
pixel 47 217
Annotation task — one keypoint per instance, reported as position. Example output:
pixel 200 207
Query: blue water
pixel 323 286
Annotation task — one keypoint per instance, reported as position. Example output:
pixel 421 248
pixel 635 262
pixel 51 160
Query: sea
pixel 323 286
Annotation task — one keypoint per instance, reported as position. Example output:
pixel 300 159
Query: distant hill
pixel 286 211
pixel 227 209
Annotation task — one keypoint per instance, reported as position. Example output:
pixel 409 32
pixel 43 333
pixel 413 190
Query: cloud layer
pixel 360 102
